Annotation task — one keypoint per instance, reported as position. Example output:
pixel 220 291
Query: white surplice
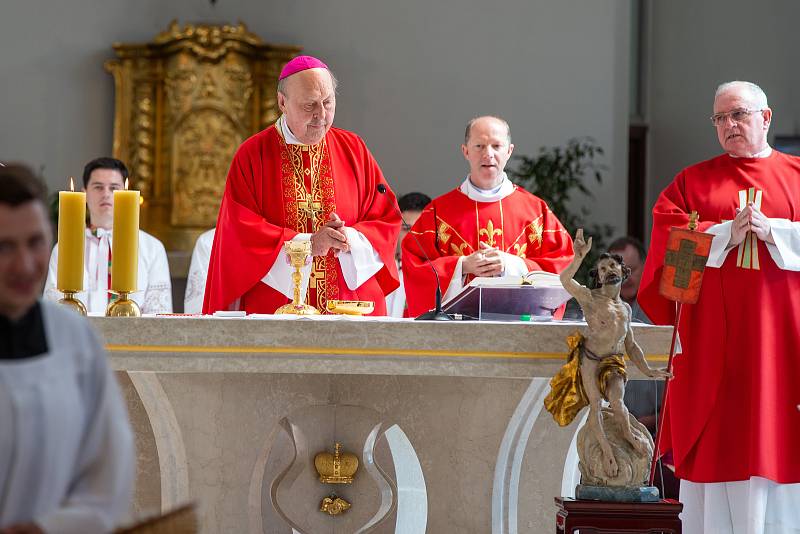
pixel 396 300
pixel 358 265
pixel 198 273
pixel 154 293
pixel 757 505
pixel 66 446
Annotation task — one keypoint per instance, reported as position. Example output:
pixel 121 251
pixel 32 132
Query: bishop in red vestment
pixel 733 411
pixel 486 227
pixel 303 179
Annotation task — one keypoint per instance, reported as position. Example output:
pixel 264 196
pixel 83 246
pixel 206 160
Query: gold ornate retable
pixel 183 103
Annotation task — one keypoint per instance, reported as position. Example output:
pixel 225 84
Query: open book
pixel 536 296
pixel 533 278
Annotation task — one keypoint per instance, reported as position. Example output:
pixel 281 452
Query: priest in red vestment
pixel 486 227
pixel 301 179
pixel 732 419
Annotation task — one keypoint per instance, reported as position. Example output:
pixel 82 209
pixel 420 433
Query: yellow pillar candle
pixel 71 240
pixel 125 241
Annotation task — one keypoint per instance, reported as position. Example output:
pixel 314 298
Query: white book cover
pixel 533 278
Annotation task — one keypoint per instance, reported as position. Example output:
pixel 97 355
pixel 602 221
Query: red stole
pixel 732 412
pixel 265 204
pixel 453 225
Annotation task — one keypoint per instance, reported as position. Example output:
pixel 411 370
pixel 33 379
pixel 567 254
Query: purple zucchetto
pixel 301 63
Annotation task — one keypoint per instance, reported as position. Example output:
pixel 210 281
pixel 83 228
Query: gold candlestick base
pixel 123 306
pixel 72 303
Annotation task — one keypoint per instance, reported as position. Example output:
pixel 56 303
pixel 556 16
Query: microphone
pixel 436 314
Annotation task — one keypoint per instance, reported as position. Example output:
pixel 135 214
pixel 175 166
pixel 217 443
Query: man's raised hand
pixel 580 246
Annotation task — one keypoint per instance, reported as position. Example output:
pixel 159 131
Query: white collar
pixel 100 232
pixel 481 195
pixel 288 136
pixel 763 154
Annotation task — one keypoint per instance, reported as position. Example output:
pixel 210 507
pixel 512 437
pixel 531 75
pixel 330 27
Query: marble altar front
pixel 446 420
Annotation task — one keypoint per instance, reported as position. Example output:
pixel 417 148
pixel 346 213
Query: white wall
pixel 412 73
pixel 698 45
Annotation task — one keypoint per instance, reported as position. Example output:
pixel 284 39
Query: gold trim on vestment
pixel 308 198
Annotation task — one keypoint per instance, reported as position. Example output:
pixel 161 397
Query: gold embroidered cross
pixel 490 231
pixel 311 208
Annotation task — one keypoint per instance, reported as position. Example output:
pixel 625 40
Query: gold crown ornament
pixel 337 468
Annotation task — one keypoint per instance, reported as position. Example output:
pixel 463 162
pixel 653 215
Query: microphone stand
pixel 436 314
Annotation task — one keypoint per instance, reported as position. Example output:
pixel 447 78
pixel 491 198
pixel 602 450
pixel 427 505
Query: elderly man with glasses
pixel 733 416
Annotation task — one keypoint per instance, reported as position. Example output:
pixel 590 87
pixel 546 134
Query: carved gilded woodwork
pixel 183 104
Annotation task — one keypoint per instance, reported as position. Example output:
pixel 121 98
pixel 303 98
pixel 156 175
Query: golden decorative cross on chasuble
pixel 307 164
pixel 310 208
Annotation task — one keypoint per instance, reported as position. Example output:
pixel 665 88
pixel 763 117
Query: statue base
pixel 617 493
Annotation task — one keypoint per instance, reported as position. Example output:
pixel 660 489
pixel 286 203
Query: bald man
pixel 486 227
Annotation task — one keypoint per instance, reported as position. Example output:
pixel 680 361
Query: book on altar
pixel 535 296
pixel 533 278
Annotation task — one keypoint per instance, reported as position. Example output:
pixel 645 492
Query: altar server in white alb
pixel 198 272
pixel 101 177
pixel 66 447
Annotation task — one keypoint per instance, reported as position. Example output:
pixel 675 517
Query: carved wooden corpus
pixel 183 104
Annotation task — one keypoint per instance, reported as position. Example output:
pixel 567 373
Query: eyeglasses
pixel 737 115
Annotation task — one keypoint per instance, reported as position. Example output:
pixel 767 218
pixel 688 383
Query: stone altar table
pixel 463 438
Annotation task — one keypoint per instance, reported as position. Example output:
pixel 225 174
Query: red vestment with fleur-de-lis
pixel 453 225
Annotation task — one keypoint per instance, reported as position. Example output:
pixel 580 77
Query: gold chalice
pixel 299 253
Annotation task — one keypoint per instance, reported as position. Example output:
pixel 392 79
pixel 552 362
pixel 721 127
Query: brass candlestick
pixel 123 306
pixel 299 253
pixel 72 303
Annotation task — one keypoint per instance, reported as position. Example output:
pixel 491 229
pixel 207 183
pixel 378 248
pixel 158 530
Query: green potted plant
pixel 555 175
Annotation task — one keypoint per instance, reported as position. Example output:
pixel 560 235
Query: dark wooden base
pixel 596 517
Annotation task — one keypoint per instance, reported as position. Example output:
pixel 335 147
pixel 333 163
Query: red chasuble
pixel 453 224
pixel 275 191
pixel 732 411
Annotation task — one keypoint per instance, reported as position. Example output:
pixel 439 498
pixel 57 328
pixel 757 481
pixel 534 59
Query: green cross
pixel 685 262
